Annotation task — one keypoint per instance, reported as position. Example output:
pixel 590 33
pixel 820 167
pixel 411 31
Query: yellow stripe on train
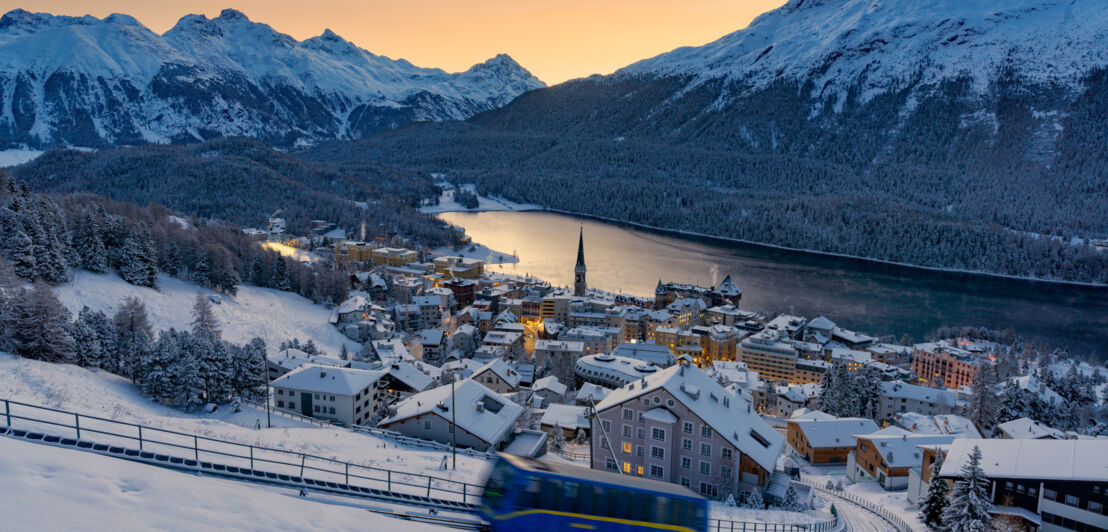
pixel 645 524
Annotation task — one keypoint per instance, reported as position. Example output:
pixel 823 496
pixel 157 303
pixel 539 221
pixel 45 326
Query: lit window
pixel 627 448
pixel 627 467
pixel 640 471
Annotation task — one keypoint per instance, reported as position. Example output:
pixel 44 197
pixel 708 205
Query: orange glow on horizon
pixel 555 39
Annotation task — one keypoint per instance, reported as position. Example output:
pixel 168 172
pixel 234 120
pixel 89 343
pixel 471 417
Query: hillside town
pixel 690 388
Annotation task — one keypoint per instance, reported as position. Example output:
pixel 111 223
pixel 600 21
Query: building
pixel 594 339
pixel 458 267
pixel 740 380
pixel 286 360
pixel 897 397
pixel 657 355
pixel 941 424
pixel 678 425
pixel 568 418
pixel 433 343
pixel 888 454
pixel 393 256
pixel 483 418
pixel 789 399
pixel 1049 485
pixel 559 356
pixel 827 441
pixel 589 394
pixel 720 343
pixel 769 354
pixel 497 376
pixel 944 363
pixel 1026 428
pixel 550 390
pixel 343 395
pixel 679 341
pixel 580 287
pixel 611 371
pixel 512 341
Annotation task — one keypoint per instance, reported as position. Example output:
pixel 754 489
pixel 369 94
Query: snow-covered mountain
pixel 876 45
pixel 93 82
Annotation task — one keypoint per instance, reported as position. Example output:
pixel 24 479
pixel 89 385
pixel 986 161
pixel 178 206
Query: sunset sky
pixel 555 39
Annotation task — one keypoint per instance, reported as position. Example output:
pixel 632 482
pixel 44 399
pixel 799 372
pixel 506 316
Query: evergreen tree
pixel 132 267
pixel 171 259
pixel 933 506
pixel 557 440
pixel 204 323
pixel 983 406
pixel 189 386
pixel 87 239
pixel 281 279
pixel 40 325
pixel 754 500
pixel 202 270
pixel 159 378
pixel 86 344
pixel 133 337
pixel 23 255
pixel 791 503
pixel 251 370
pixel 99 323
pixel 257 272
pixel 969 500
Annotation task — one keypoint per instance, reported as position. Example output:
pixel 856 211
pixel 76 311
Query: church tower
pixel 579 285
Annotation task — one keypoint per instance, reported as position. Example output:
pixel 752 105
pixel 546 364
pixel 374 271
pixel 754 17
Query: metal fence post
pixel 428 487
pixel 77 424
pixel 389 480
pixel 140 437
pixel 302 466
pixel 251 457
pixel 8 411
pixel 347 474
pixel 196 449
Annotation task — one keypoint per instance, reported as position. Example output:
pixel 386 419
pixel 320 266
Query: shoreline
pixel 732 240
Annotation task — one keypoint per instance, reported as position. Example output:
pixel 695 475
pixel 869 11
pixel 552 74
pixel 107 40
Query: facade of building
pixel 678 425
pixel 898 397
pixel 393 256
pixel 827 441
pixel 888 454
pixel 770 355
pixel 937 361
pixel 344 395
pixel 483 418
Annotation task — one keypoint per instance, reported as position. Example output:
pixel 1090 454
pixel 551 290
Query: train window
pixel 530 498
pixel 568 498
pixel 661 510
pixel 617 504
pixel 550 489
pixel 600 501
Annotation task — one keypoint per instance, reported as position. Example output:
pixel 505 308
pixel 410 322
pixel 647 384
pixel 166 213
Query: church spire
pixel 580 287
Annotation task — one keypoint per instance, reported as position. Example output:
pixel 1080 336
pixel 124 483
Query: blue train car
pixel 527 494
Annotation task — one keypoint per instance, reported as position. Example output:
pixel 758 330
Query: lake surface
pixel 867 296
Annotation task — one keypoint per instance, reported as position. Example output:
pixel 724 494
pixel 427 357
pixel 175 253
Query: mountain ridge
pixel 98 82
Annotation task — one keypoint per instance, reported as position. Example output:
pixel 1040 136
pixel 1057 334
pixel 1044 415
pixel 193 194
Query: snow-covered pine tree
pixel 133 336
pixel 982 409
pixel 171 259
pixel 132 266
pixel 23 255
pixel 257 272
pixel 935 503
pixel 159 379
pixel 202 269
pixel 107 358
pixel 557 439
pixel 204 323
pixel 791 502
pixel 189 387
pixel 969 500
pixel 754 500
pixel 281 280
pixel 86 344
pixel 730 502
pixel 40 325
pixel 310 347
pixel 867 384
pixel 87 238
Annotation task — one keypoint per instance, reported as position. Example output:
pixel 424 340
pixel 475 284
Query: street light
pixel 453 422
pixel 265 375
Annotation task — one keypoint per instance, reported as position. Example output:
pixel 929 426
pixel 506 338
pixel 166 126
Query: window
pixel 640 434
pixel 332 398
pixel 658 434
pixel 628 414
pixel 686 462
pixel 427 424
pixel 280 404
pixel 687 428
pixel 1008 486
pixel 645 401
pixel 726 454
pixel 639 470
pixel 627 448
pixel 606 424
pixel 611 465
pixel 317 396
pixel 627 431
pixel 705 468
pixel 685 482
pixel 708 490
pixel 1096 507
pixel 657 471
pixel 669 402
pixel 627 467
pixel 706 449
pixel 332 410
pixel 725 472
pixel 1073 500
pixel 280 392
pixel 1050 494
pixel 657 452
pixel 706 431
pixel 604 444
pixel 686 444
pixel 639 451
pixel 315 408
pixel 657 399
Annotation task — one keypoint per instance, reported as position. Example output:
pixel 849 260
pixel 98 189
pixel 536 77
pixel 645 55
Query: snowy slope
pixel 98 393
pixel 879 43
pixel 61 489
pixel 93 82
pixel 272 315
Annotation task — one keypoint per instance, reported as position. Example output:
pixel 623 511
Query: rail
pixel 892 519
pixel 224 455
pixel 579 457
pixel 719 525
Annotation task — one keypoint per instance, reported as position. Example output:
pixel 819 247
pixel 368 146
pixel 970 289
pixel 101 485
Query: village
pixel 688 388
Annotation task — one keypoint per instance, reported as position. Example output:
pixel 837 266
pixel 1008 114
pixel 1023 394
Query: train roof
pixel 600 477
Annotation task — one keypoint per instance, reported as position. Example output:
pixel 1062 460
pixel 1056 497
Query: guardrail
pixel 580 457
pixel 893 519
pixel 284 413
pixel 230 455
pixel 720 525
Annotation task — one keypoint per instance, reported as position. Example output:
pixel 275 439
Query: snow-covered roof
pixel 594 391
pixel 391 349
pixel 409 375
pixel 1031 384
pixel 566 416
pixel 851 336
pixel 1073 460
pixel 822 323
pixel 559 345
pixel 1026 428
pixel 480 411
pixel 730 416
pixel 614 368
pixel 502 338
pixel 356 303
pixel 940 424
pixel 806 414
pixel 657 354
pixel 550 383
pixel 903 390
pixel 799 393
pixel 330 380
pixel 728 287
pixel 834 432
pixel 899 447
pixel 430 336
pixel 501 369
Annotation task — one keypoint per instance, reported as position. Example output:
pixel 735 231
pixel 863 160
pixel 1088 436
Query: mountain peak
pixel 233 14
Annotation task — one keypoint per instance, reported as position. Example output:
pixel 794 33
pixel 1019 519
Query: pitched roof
pixel 551 383
pixel 481 411
pixel 654 353
pixel 730 416
pixel 1026 428
pixel 1074 460
pixel 596 392
pixel 325 379
pixel 899 447
pixel 566 416
pixel 839 432
pixel 821 323
pixel 409 375
pixel 501 369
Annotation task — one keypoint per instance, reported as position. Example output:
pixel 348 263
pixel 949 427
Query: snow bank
pixel 62 489
pixel 17 157
pixel 447 203
pixel 272 315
